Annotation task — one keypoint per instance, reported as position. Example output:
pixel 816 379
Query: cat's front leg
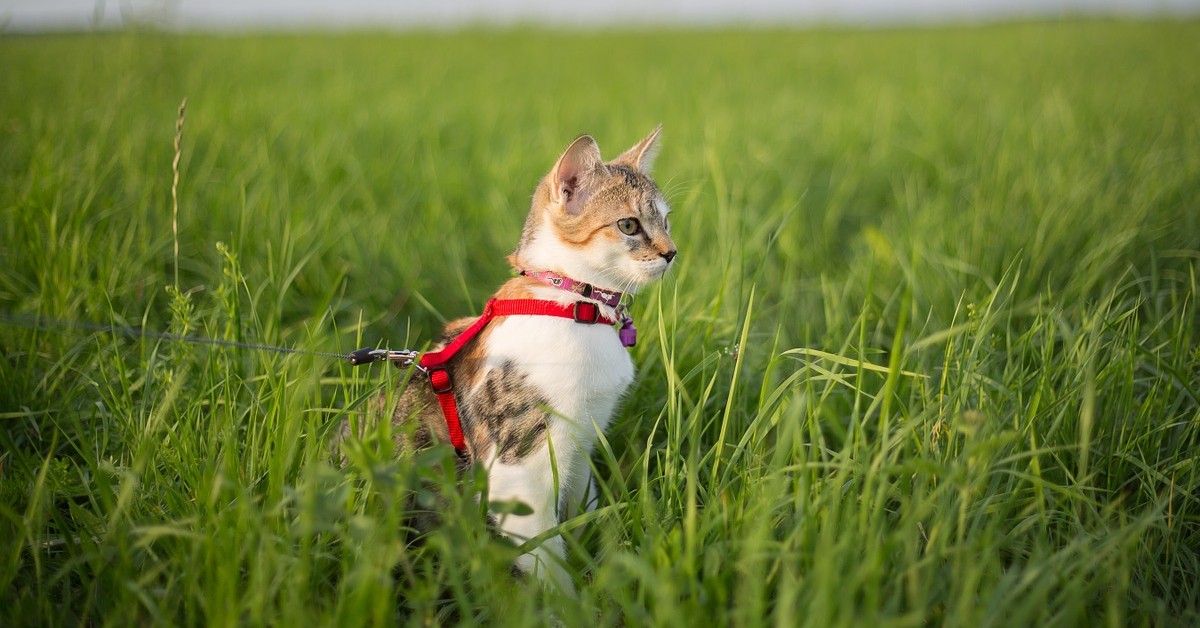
pixel 530 482
pixel 583 495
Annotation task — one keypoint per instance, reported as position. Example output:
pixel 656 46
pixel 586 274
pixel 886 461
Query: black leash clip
pixel 402 359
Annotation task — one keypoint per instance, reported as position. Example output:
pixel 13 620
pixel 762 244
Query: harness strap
pixel 434 363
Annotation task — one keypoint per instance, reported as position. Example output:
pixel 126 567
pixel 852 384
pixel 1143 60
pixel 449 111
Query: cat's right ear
pixel 571 178
pixel 641 155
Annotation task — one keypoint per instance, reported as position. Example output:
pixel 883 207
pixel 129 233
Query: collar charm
pixel 627 333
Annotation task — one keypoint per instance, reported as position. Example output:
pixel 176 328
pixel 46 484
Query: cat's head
pixel 603 223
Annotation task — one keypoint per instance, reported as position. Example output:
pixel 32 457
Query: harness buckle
pixel 439 379
pixel 582 315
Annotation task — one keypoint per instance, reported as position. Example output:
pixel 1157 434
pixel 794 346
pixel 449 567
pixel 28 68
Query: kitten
pixel 527 385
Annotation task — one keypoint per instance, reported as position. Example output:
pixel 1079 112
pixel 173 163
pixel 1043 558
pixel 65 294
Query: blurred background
pixel 926 356
pixel 33 15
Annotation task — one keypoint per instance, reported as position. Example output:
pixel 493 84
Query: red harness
pixel 434 363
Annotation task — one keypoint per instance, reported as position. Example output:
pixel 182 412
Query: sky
pixel 32 15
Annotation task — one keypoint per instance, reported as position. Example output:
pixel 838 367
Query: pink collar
pixel 611 298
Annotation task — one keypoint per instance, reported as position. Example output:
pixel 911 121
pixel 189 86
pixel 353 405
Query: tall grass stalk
pixel 175 187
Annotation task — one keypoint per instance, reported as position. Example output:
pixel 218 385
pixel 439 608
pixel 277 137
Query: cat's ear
pixel 641 156
pixel 571 178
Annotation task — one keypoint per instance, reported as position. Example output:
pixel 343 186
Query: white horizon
pixel 46 15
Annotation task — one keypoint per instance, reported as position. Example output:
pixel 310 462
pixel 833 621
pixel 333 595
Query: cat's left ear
pixel 572 177
pixel 641 156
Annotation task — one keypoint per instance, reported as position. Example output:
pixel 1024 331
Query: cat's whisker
pixel 625 284
pixel 673 187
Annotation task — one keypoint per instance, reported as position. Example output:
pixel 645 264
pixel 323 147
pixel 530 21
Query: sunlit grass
pixel 929 354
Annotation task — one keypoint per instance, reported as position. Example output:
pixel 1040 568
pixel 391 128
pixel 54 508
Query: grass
pixel 929 354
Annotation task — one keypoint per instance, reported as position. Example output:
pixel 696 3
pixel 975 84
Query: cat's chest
pixel 581 369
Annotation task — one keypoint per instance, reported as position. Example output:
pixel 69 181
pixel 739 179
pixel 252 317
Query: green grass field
pixel 929 355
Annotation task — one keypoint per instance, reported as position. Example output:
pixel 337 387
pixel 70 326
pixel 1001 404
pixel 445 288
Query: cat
pixel 529 385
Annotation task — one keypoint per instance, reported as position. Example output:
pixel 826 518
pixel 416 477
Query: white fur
pixel 583 371
pixel 523 483
pixel 663 210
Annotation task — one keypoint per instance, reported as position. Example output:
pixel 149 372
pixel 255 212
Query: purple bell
pixel 627 333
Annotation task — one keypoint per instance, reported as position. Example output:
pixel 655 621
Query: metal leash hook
pixel 402 359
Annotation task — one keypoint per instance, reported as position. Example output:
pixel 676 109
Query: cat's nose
pixel 669 255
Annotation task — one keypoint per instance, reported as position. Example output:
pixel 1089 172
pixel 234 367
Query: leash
pixel 366 355
pixel 433 363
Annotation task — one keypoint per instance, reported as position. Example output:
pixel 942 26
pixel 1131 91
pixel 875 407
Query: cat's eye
pixel 629 226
